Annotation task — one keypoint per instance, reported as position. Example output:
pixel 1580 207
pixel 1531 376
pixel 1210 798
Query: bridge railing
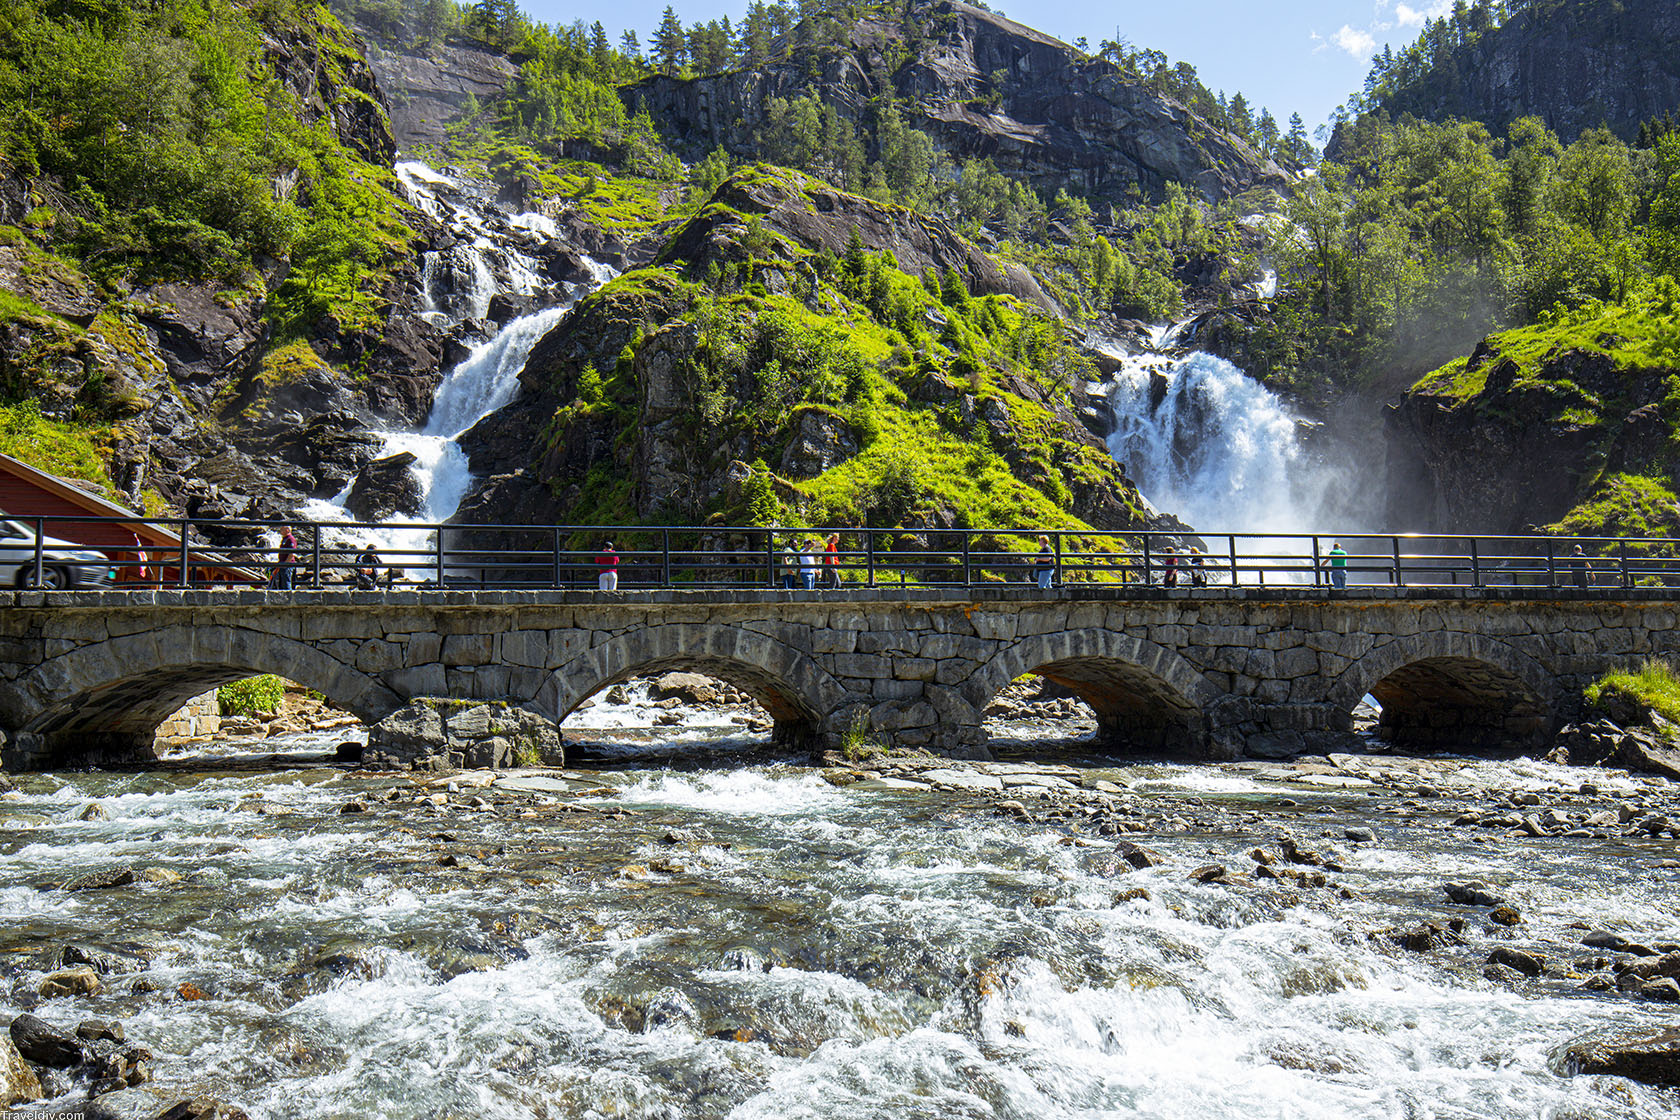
pixel 40 552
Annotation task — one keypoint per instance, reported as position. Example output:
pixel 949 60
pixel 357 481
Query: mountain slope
pixel 981 86
pixel 1575 64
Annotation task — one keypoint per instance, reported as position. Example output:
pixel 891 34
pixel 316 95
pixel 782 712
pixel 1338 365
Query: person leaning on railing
pixel 607 561
pixel 1044 567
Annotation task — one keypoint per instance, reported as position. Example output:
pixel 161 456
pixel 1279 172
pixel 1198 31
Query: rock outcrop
pixel 1576 65
pixel 430 91
pixel 980 85
pixel 444 734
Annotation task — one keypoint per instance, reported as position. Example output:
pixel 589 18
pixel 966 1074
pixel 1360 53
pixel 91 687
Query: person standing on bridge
pixel 1336 561
pixel 831 561
pixel 1581 567
pixel 285 560
pixel 808 560
pixel 608 563
pixel 1045 565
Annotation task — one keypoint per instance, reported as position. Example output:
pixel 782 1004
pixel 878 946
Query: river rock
pixel 18 1082
pixel 962 779
pixel 124 1104
pixel 81 980
pixel 1649 1055
pixel 104 963
pixel 1473 893
pixel 385 488
pixel 44 1044
pixel 1139 857
pixel 1666 990
pixel 1528 964
pixel 691 688
pixel 434 734
pixel 1616 943
pixel 97 1030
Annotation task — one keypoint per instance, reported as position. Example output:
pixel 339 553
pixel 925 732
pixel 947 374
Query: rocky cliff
pixel 980 85
pixel 1575 64
pixel 1569 425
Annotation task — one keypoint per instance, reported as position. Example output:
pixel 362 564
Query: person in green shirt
pixel 1337 563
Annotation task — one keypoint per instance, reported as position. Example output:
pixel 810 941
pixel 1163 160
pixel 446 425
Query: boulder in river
pixel 44 1044
pixel 1473 893
pixel 81 980
pixel 17 1081
pixel 690 688
pixel 386 487
pixel 1650 1055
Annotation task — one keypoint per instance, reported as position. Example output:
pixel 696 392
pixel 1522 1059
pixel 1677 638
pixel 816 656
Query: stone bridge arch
pixel 108 697
pixel 1447 690
pixel 1145 695
pixel 798 693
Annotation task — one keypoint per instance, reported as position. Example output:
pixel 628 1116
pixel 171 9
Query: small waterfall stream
pixel 459 284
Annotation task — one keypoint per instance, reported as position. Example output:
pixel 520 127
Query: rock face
pixel 449 734
pixel 1575 65
pixel 980 85
pixel 430 90
pixel 820 440
pixel 1517 451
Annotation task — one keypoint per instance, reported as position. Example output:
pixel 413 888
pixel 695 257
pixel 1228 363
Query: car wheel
pixel 52 579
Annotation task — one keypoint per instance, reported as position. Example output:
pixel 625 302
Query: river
pixel 652 942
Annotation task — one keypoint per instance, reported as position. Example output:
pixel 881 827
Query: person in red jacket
pixel 608 561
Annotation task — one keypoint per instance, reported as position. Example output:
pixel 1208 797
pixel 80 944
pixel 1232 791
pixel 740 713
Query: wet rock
pixel 124 1104
pixel 1649 1055
pixel 1667 990
pixel 350 807
pixel 199 1108
pixel 1502 974
pixel 1505 916
pixel 1209 873
pixel 1359 835
pixel 1616 943
pixel 94 812
pixel 691 688
pixel 1426 936
pixel 81 980
pixel 1473 893
pixel 44 1044
pixel 191 992
pixel 98 1030
pixel 1135 893
pixel 1138 857
pixel 103 962
pixel 1528 964
pixel 18 1082
pixel 1294 853
pixel 386 487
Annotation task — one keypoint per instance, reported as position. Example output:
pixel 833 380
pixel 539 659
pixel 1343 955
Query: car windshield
pixel 15 530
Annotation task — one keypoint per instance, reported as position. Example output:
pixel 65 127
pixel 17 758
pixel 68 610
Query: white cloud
pixel 1359 44
pixel 1317 40
pixel 1407 16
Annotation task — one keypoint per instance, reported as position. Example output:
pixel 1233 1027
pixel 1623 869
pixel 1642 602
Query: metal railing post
pixel 1318 572
pixel 1399 574
pixel 1056 578
pixel 1148 576
pixel 665 542
pixel 439 537
pixel 1627 578
pixel 1475 564
pixel 186 556
pixel 1233 543
pixel 316 556
pixel 1551 563
pixel 40 548
pixel 558 581
pixel 869 553
pixel 968 580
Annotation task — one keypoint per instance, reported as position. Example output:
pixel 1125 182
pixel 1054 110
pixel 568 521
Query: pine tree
pixel 629 45
pixel 1296 145
pixel 1242 119
pixel 670 45
pixel 600 49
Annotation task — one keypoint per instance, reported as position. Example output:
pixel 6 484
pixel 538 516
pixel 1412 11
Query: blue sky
pixel 1302 56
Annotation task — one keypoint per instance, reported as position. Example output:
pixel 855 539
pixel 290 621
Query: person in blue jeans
pixel 1045 566
pixel 1336 561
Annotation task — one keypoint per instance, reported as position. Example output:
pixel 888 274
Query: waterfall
pixel 459 284
pixel 1209 444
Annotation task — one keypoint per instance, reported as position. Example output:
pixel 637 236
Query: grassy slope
pixel 1640 337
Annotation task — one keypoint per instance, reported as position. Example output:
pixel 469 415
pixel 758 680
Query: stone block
pixel 468 723
pixel 896 690
pixel 833 641
pixel 377 655
pixel 467 649
pixel 900 715
pixel 416 680
pixel 423 649
pixel 524 647
pixel 886 641
pixel 862 665
pixel 993 625
pixel 914 668
pixel 1292 663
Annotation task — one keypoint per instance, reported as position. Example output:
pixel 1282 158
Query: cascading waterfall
pixel 1211 445
pixel 459 285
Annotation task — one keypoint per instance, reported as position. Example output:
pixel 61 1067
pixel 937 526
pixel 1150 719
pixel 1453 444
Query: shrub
pixel 251 696
pixel 1654 686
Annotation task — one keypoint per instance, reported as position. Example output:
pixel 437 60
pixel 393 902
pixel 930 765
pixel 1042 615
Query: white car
pixel 65 565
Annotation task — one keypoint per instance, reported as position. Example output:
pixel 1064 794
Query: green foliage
pixel 1424 237
pixel 67 450
pixel 251 696
pixel 1655 685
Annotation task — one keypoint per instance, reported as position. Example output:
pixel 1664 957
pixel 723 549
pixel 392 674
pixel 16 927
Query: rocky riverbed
pixel 1356 935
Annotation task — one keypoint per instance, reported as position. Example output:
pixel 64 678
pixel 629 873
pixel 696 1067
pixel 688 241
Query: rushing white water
pixel 761 944
pixel 1214 447
pixel 459 284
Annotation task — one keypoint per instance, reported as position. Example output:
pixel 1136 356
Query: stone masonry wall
pixel 1217 672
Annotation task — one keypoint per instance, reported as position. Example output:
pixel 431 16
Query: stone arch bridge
pixel 1204 672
